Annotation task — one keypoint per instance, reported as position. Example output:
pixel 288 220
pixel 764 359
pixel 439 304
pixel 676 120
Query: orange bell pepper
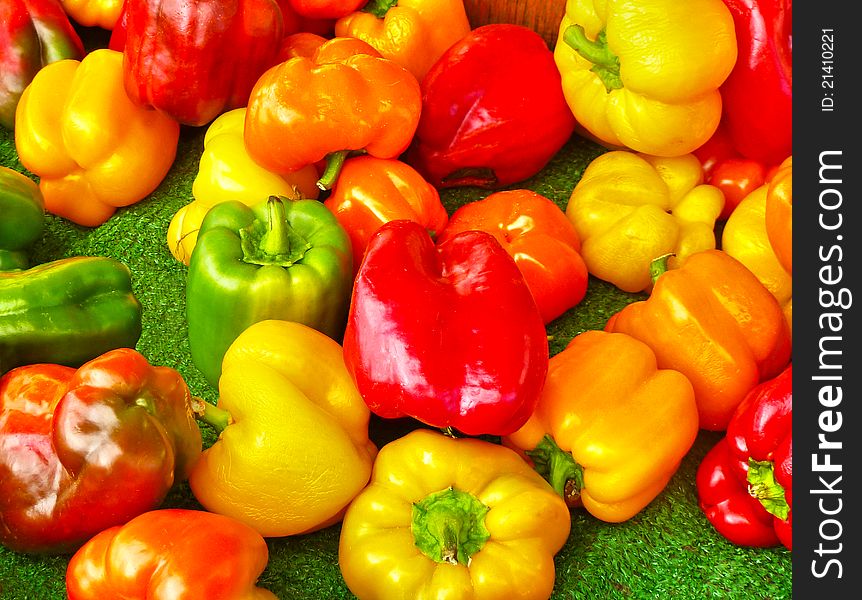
pixel 344 97
pixel 715 322
pixel 611 428
pixel 544 243
pixel 93 149
pixel 413 33
pixel 372 191
pixel 779 214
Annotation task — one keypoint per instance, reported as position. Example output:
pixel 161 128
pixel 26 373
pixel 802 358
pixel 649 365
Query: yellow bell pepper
pixel 412 33
pixel 611 428
pixel 629 209
pixel 293 447
pixel 94 13
pixel 227 172
pixel 92 148
pixel 452 518
pixel 644 74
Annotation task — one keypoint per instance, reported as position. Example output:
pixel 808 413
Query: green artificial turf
pixel 668 550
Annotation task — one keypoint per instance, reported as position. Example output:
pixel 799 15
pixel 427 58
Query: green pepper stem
pixel 762 485
pixel 606 64
pixel 334 163
pixel 449 526
pixel 215 417
pixel 658 266
pixel 559 468
pixel 379 8
pixel 276 240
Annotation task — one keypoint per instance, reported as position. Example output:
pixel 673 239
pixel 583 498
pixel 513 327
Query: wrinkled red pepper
pixel 744 482
pixel 195 59
pixel 83 450
pixel 757 96
pixel 33 33
pixel 493 110
pixel 448 335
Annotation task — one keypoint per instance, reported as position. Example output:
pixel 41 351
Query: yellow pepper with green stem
pixel 630 209
pixel 645 74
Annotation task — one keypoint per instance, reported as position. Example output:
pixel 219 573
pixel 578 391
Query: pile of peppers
pixel 329 289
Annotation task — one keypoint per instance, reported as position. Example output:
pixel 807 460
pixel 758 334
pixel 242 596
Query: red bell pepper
pixel 757 96
pixel 325 9
pixel 744 482
pixel 493 110
pixel 168 554
pixel 541 239
pixel 83 450
pixel 195 59
pixel 448 335
pixel 33 33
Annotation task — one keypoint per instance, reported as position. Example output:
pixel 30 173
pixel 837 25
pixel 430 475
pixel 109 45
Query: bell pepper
pixel 493 112
pixel 292 448
pixel 33 33
pixel 645 75
pixel 325 9
pixel 712 320
pixel 757 96
pixel 452 518
pixel 227 172
pixel 372 191
pixel 66 311
pixel 159 552
pixel 629 209
pixel 23 221
pixel 779 214
pixel 92 148
pixel 195 59
pixel 282 259
pixel 94 13
pixel 611 428
pixel 87 449
pixel 413 33
pixel 537 234
pixel 449 335
pixel 744 483
pixel 343 97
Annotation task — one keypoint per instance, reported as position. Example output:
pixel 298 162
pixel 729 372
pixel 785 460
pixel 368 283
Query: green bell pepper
pixel 280 259
pixel 22 218
pixel 66 312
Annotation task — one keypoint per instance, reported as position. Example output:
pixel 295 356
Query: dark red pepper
pixel 195 59
pixel 744 482
pixel 83 450
pixel 757 96
pixel 33 33
pixel 493 110
pixel 448 335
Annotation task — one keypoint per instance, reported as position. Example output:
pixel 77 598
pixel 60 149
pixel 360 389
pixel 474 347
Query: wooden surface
pixel 542 17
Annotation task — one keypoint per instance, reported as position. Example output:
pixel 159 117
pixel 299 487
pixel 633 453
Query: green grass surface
pixel 669 550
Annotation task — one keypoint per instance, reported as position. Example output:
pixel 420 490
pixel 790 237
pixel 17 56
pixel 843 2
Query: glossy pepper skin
pixel 343 97
pixel 293 448
pixel 611 428
pixel 92 148
pixel 413 33
pixel 66 311
pixel 159 551
pixel 94 13
pixel 493 112
pixel 745 482
pixel 282 259
pixel 226 172
pixel 645 75
pixel 195 59
pixel 758 94
pixel 33 33
pixel 325 9
pixel 23 218
pixel 452 518
pixel 537 234
pixel 779 213
pixel 473 358
pixel 372 191
pixel 87 449
pixel 629 209
pixel 712 320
